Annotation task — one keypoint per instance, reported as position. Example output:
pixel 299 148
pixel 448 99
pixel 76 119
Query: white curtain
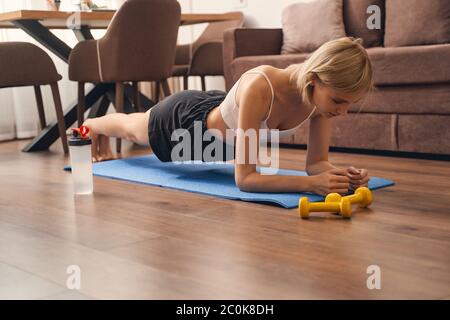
pixel 18 112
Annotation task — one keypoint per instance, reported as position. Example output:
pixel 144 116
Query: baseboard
pixel 401 154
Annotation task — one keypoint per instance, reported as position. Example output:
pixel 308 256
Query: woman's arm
pixel 254 98
pixel 317 156
pixel 254 103
pixel 256 182
pixel 318 145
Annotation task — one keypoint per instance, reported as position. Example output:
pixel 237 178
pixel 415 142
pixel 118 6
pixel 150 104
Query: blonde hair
pixel 342 64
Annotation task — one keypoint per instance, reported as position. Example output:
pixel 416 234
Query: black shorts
pixel 182 115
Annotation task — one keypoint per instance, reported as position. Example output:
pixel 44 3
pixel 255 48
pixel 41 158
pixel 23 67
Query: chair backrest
pixel 140 41
pixel 25 64
pixel 214 31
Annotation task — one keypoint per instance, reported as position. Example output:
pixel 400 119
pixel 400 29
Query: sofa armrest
pixel 239 42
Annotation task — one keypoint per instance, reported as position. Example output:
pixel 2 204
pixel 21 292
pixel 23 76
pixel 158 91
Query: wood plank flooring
pixel 141 242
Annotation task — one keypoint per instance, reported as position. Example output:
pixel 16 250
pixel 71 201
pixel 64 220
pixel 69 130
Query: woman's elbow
pixel 242 183
pixel 309 171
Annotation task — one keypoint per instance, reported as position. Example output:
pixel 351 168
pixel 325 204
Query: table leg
pixel 45 37
pixel 83 33
pixel 100 108
pixel 50 134
pixel 145 102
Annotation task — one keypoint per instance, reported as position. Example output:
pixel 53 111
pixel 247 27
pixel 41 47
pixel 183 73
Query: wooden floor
pixel 136 241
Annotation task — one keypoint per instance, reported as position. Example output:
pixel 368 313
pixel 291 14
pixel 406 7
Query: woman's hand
pixel 334 180
pixel 358 177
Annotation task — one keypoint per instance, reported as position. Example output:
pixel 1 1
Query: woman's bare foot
pixel 104 148
pixel 101 148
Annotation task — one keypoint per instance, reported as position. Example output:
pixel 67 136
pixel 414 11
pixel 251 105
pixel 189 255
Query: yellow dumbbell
pixel 344 207
pixel 362 196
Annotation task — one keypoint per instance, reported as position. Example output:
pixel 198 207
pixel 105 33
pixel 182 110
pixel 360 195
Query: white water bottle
pixel 81 161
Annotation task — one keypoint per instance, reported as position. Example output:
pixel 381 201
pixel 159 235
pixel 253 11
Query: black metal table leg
pixel 83 33
pixel 99 108
pixel 45 37
pixel 146 103
pixel 50 134
pixel 127 105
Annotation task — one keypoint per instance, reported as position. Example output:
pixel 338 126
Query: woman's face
pixel 331 103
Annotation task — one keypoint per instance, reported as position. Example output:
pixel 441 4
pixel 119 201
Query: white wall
pixel 258 14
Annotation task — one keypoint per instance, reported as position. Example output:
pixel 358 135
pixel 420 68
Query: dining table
pixel 39 25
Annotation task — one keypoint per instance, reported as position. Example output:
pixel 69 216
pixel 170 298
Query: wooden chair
pixel 204 56
pixel 24 64
pixel 139 45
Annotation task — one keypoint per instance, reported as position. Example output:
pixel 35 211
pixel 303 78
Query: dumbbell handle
pixel 362 196
pixel 355 198
pixel 324 206
pixel 343 207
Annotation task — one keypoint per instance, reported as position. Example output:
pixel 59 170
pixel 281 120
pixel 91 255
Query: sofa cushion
pixel 355 20
pixel 418 22
pixel 411 65
pixel 306 26
pixel 410 99
pixel 392 66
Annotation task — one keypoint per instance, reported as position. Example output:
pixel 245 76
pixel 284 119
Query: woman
pixel 335 76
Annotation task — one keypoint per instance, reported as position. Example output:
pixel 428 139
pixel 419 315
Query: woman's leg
pixel 132 127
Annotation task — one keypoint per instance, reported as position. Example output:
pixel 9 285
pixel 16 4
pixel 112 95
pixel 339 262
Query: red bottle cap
pixel 83 131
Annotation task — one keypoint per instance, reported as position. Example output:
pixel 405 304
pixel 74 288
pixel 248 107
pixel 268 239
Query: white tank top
pixel 230 112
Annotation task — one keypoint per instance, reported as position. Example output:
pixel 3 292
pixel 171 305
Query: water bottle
pixel 81 160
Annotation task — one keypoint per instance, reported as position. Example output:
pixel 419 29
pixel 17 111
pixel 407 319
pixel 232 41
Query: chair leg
pixel 166 89
pixel 81 104
pixel 136 99
pixel 59 116
pixel 202 78
pixel 119 108
pixel 157 93
pixel 40 106
pixel 185 82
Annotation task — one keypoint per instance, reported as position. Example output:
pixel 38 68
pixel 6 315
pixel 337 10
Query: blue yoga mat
pixel 216 179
